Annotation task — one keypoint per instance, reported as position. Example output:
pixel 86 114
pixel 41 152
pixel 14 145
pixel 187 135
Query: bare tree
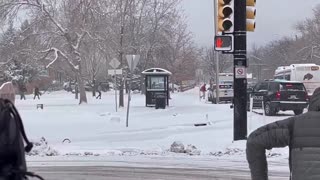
pixel 209 62
pixel 93 61
pixel 76 36
pixel 65 24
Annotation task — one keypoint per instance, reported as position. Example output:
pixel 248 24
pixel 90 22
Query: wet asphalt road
pixel 132 173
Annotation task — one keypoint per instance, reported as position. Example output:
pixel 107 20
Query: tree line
pixel 79 38
pixel 302 48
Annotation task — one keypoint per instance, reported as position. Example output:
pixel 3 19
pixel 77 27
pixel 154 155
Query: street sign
pixel 114 63
pixel 132 61
pixel 241 72
pixel 115 71
pixel 223 43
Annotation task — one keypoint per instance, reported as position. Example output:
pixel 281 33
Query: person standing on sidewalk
pixel 36 93
pixel 99 89
pixel 203 90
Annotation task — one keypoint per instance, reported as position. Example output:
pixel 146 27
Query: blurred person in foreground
pixel 302 135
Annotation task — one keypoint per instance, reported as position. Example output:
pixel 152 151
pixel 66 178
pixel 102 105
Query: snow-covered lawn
pixel 95 129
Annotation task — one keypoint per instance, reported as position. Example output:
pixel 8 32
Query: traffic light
pixel 225 13
pixel 223 43
pixel 251 15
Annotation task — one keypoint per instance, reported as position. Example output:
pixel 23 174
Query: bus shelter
pixel 157 87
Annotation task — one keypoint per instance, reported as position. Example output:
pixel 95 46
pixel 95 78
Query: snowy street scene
pixel 159 90
pixel 97 129
pixel 95 135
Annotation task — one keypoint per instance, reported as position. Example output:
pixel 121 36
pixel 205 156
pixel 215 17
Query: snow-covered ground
pixel 95 129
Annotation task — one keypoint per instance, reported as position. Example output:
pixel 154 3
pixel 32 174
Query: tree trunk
pixel 121 94
pixel 94 87
pixel 121 98
pixel 76 94
pixel 142 85
pixel 127 86
pixel 83 96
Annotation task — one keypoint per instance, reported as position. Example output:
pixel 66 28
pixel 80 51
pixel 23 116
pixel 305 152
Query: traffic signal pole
pixel 240 61
pixel 216 56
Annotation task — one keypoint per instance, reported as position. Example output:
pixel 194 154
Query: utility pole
pixel 240 64
pixel 234 19
pixel 217 78
pixel 217 59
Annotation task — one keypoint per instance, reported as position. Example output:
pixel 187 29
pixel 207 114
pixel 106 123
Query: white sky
pixel 270 25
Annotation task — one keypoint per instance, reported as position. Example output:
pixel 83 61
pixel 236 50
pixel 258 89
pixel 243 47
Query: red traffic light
pixel 219 42
pixel 223 43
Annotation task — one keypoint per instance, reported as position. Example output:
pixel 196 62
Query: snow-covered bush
pixel 177 147
pixel 192 150
pixel 41 148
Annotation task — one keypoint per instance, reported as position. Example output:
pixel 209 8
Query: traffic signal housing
pixel 223 43
pixel 251 15
pixel 225 16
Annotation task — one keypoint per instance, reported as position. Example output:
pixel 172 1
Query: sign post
pixel 114 63
pixel 132 62
pixel 240 64
pixel 241 72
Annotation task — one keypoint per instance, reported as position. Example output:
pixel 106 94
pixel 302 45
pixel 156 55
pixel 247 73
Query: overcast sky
pixel 275 18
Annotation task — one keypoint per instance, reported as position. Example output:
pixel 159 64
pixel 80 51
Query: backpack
pixel 12 151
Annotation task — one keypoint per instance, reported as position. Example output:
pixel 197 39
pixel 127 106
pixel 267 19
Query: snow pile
pixel 229 152
pixel 41 148
pixel 120 152
pixel 178 147
pixel 192 150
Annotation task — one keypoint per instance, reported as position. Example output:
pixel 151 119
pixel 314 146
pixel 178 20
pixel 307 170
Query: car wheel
pixel 268 110
pixel 298 111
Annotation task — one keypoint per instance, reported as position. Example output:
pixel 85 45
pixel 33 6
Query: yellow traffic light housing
pixel 251 2
pixel 251 15
pixel 225 18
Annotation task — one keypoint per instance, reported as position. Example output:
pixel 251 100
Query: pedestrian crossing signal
pixel 223 43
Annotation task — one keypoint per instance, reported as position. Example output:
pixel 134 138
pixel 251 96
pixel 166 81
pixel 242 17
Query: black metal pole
pixel 121 94
pixel 240 60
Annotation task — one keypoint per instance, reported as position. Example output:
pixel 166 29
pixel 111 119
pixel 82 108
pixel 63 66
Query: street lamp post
pixel 259 66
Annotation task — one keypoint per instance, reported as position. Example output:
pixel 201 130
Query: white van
pixel 308 74
pixel 225 89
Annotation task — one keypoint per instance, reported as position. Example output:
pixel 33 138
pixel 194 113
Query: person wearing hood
pixel 302 135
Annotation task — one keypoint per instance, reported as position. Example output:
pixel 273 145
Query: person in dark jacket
pixel 22 90
pixel 302 135
pixel 99 91
pixel 36 93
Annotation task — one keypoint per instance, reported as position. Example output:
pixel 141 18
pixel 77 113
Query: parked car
pixel 278 95
pixel 225 92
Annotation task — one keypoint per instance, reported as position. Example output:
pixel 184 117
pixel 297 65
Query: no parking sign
pixel 241 72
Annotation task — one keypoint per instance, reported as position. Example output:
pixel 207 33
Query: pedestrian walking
pixel 99 89
pixel 22 90
pixel 203 91
pixel 36 93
